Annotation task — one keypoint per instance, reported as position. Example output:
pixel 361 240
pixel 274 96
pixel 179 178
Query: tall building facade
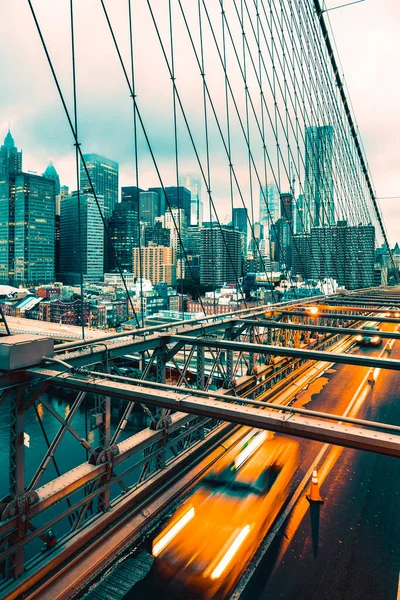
pixel 85 253
pixel 174 197
pixel 10 156
pixel 158 235
pixel 301 255
pixel 318 185
pixel 281 244
pixel 149 207
pixel 270 202
pixel 341 252
pixel 27 229
pixel 196 206
pixel 130 193
pixel 123 227
pixel 175 221
pixel 51 173
pixel 156 263
pixel 239 218
pixel 299 216
pixel 221 258
pixel 287 208
pixel 104 176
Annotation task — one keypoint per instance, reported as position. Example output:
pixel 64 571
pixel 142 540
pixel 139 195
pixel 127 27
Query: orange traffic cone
pixel 371 376
pixel 314 495
pixel 388 347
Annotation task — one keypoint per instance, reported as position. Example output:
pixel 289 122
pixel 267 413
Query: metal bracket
pixel 105 456
pixel 11 507
pixel 287 416
pixel 162 424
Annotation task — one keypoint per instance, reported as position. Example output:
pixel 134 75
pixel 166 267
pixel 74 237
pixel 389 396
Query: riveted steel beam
pixel 308 427
pixel 348 359
pixel 319 328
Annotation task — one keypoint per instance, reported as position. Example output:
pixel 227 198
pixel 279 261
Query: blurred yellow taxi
pixel 207 543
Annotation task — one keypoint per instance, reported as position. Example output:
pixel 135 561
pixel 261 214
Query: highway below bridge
pixel 98 497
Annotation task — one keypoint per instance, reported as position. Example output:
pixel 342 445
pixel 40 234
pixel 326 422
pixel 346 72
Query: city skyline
pixel 146 219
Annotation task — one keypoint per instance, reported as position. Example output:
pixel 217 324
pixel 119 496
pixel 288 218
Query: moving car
pixel 370 337
pixel 207 543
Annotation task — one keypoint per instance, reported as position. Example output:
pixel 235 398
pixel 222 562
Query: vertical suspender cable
pixel 136 158
pixel 78 191
pixel 176 146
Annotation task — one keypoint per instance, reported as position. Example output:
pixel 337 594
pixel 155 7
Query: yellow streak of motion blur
pixel 226 559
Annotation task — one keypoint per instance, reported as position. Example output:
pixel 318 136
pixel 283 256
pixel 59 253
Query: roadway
pixel 55 330
pixel 347 548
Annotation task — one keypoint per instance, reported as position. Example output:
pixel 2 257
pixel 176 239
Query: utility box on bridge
pixel 22 351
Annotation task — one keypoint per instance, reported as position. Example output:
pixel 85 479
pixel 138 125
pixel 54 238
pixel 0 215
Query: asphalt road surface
pixel 349 547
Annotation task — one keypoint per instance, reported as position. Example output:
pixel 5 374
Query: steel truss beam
pixel 93 472
pixel 348 359
pixel 49 455
pixel 353 308
pixel 333 432
pixel 379 303
pixel 340 316
pixel 319 328
pixel 202 324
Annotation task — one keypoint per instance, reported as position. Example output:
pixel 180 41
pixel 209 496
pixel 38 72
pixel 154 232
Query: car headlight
pixel 359 338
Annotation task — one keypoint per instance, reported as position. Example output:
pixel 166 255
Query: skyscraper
pixel 301 255
pixel 220 259
pixel 345 253
pixel 10 157
pixel 269 206
pixel 149 207
pixel 196 206
pixel 91 244
pixel 240 219
pixel 318 185
pixel 281 241
pixel 175 221
pixel 299 215
pixel 287 208
pixel 124 233
pixel 130 193
pixel 157 263
pixel 51 173
pixel 158 235
pixel 27 223
pixel 104 175
pixel 174 197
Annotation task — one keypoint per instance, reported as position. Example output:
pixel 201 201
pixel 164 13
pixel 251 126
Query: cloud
pixel 366 37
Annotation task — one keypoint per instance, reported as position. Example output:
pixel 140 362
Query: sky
pixel 368 44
